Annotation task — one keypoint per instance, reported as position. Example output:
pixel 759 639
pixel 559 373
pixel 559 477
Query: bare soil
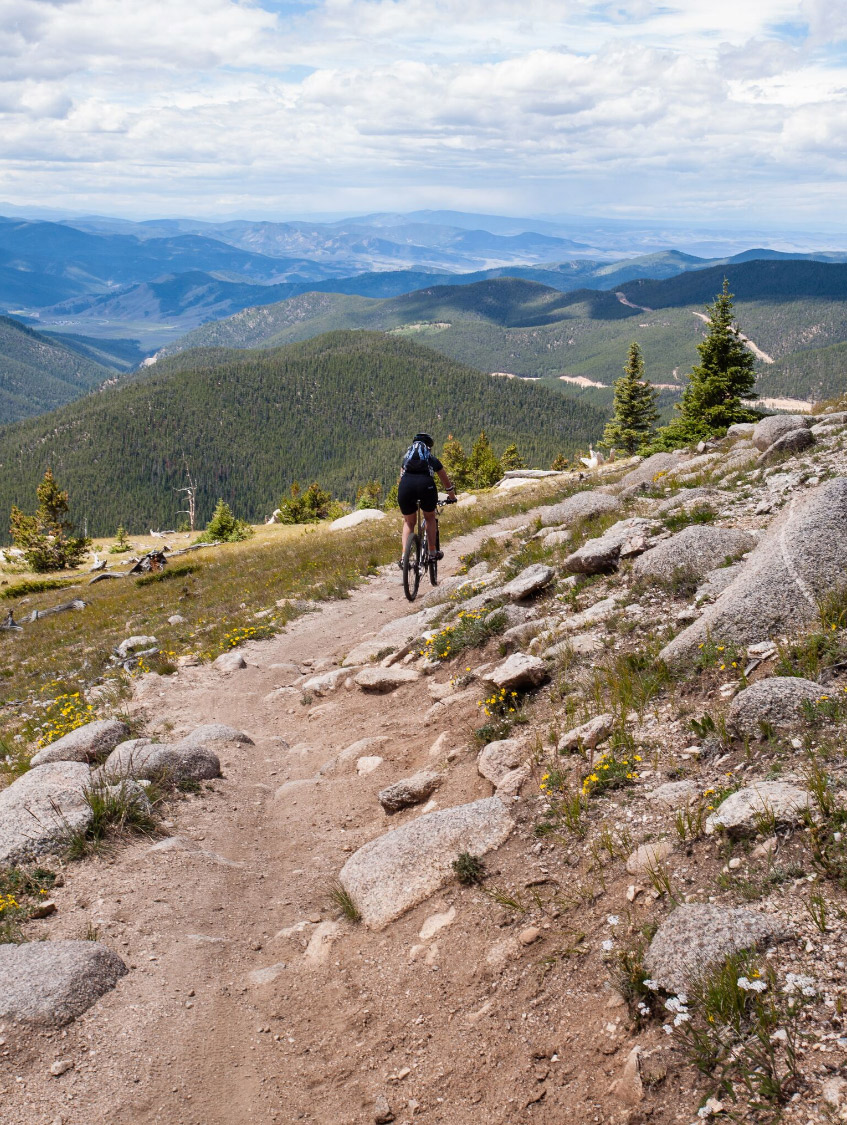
pixel 250 999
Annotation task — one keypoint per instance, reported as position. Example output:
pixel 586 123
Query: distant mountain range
pixel 339 409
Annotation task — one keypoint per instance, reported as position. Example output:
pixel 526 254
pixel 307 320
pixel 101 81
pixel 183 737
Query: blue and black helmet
pixel 425 438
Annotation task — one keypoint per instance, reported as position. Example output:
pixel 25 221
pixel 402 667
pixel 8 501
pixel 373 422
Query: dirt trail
pixel 247 1001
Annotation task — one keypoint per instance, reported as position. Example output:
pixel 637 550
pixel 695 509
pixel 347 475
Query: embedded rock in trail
pixel 85 744
pixel 795 441
pixel 529 581
pixel 771 429
pixel 229 662
pixel 601 555
pixel 409 791
pixel 327 681
pixel 777 702
pixel 151 761
pixel 746 809
pixel 518 671
pixel 402 868
pixel 392 636
pixel 38 810
pixel 697 936
pixel 645 474
pixel 355 518
pixel 696 549
pixel 498 759
pixel 580 506
pixel 800 560
pixel 385 679
pixel 674 793
pixel 688 498
pixel 50 983
pixel 215 732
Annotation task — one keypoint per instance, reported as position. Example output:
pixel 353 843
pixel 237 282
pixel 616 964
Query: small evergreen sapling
pixel 634 421
pixel 455 461
pixel 483 467
pixel 47 538
pixel 223 527
pixel 511 459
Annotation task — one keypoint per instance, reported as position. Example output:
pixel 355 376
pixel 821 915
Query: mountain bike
pixel 417 556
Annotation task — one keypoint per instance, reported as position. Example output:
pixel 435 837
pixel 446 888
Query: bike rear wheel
pixel 433 561
pixel 411 567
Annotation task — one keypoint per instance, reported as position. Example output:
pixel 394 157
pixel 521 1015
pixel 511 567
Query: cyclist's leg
pixel 408 527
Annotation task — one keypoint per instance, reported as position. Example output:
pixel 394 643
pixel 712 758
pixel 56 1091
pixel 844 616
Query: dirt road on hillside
pixel 248 1000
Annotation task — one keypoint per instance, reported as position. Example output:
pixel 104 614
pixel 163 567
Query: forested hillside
pixel 340 409
pixel 510 324
pixel 38 373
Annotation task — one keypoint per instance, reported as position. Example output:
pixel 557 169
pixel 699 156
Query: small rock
pixel 832 1091
pixel 629 1087
pixel 152 761
pixel 50 983
pixel 215 732
pixel 499 758
pixel 176 619
pixel 409 791
pixel 588 735
pixel 518 671
pixel 43 909
pixel 528 582
pixel 436 922
pixel 61 1066
pixel 382 1110
pixel 230 662
pixel 674 793
pixel 510 785
pixel 529 935
pixel 648 857
pixel 742 812
pixel 368 764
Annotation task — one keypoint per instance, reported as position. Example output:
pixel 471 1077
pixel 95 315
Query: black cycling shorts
pixel 414 487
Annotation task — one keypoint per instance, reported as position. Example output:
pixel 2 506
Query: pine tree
pixel 223 527
pixel 483 467
pixel 455 461
pixel 634 421
pixel 559 463
pixel 368 495
pixel 47 538
pixel 511 459
pixel 712 401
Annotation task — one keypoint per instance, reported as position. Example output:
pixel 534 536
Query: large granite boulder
pixel 696 549
pixel 747 809
pixel 795 441
pixel 651 471
pixel 771 429
pixel 153 761
pixel 697 937
pixel 603 553
pixel 528 582
pixel 402 868
pixel 802 558
pixel 90 743
pixel 580 506
pixel 50 983
pixel 39 809
pixel 774 702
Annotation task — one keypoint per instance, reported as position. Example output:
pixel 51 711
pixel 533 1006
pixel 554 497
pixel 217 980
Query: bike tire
pixel 411 568
pixel 433 562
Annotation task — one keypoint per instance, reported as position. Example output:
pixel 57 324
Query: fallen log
pixel 151 563
pixel 104 574
pixel 36 614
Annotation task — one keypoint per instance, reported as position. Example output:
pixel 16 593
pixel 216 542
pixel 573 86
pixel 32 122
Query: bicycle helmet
pixel 425 438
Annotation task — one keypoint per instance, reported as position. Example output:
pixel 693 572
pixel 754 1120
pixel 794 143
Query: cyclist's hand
pixel 451 500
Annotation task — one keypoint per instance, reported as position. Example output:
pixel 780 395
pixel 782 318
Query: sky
pixel 719 111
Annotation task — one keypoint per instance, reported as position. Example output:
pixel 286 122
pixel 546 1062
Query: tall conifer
pixel 635 417
pixel 712 401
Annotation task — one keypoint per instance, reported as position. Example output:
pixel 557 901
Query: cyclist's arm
pixel 445 480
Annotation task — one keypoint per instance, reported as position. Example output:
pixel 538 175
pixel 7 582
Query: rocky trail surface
pixel 684 628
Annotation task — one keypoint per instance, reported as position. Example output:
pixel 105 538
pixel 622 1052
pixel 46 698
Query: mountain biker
pixel 420 466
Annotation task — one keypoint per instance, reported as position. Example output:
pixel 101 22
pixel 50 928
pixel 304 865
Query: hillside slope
pixel 339 409
pixel 39 374
pixel 532 330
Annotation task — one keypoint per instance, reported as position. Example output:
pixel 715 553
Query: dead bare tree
pixel 190 491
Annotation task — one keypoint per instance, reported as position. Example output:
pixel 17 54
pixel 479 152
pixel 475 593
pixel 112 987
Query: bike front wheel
pixel 411 567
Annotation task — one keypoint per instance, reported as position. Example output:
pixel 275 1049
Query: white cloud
pixel 550 104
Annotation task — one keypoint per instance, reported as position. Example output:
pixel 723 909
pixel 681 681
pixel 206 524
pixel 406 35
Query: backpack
pixel 417 459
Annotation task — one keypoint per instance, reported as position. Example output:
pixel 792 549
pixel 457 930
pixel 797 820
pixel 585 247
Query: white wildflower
pixel 751 985
pixel 668 1030
pixel 797 982
pixel 608 945
pixel 613 920
pixel 652 984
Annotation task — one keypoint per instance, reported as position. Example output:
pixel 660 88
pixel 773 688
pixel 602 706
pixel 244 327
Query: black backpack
pixel 417 459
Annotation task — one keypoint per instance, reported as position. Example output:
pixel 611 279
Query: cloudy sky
pixel 720 110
